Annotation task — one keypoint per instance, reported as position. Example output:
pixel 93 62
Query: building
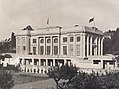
pixel 41 48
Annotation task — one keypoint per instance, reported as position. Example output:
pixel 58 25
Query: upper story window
pixel 34 40
pixel 18 40
pixel 34 50
pixel 48 40
pixel 23 40
pixel 78 50
pixel 78 38
pixel 71 39
pixel 64 39
pixel 55 40
pixel 41 50
pixel 42 41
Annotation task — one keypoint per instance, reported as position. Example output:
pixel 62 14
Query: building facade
pixel 41 48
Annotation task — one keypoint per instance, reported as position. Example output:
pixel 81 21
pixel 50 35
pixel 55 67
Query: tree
pixel 68 71
pixel 107 46
pixel 55 73
pixel 6 81
pixel 64 72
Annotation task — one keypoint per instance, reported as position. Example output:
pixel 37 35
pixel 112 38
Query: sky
pixel 17 14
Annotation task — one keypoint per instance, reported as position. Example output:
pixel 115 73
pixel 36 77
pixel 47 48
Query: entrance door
pixel 104 64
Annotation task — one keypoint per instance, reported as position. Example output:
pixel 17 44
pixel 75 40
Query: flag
pixel 48 21
pixel 91 20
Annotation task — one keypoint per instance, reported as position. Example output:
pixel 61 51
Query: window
pixel 64 39
pixel 43 62
pixel 41 50
pixel 96 61
pixel 18 40
pixel 34 40
pixel 111 62
pixel 55 50
pixel 48 50
pixel 48 40
pixel 71 49
pixel 20 60
pixel 34 50
pixel 71 39
pixel 36 61
pixel 24 48
pixel 64 50
pixel 55 40
pixel 23 40
pixel 42 41
pixel 78 50
pixel 78 39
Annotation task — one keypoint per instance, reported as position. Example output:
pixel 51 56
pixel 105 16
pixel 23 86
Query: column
pixel 65 61
pixel 23 62
pixel 37 46
pixel 99 46
pixel 51 49
pixel 102 46
pixel 101 64
pixel 82 45
pixel 68 41
pixel 32 61
pixel 53 62
pixel 59 46
pixel 95 50
pixel 87 45
pixel 39 62
pixel 74 47
pixel 90 45
pixel 44 46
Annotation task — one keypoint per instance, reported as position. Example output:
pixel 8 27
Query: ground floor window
pixel 34 50
pixel 96 61
pixel 48 50
pixel 41 50
pixel 71 49
pixel 55 50
pixel 78 50
pixel 64 50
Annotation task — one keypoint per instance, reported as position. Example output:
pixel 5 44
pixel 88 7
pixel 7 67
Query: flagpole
pixel 48 24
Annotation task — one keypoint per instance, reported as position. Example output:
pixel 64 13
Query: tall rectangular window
pixel 34 50
pixel 48 50
pixel 23 40
pixel 78 50
pixel 71 39
pixel 78 38
pixel 41 50
pixel 71 49
pixel 64 39
pixel 18 40
pixel 24 47
pixel 34 40
pixel 64 50
pixel 55 50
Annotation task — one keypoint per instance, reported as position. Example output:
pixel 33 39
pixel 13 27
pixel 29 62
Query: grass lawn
pixel 22 78
pixel 32 81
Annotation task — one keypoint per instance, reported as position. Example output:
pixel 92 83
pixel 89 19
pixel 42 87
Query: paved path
pixel 44 84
